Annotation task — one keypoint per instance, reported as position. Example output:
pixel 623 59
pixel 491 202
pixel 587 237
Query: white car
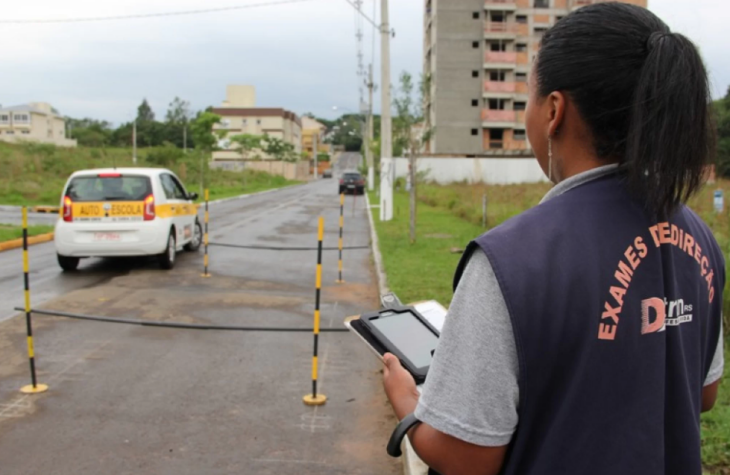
pixel 126 212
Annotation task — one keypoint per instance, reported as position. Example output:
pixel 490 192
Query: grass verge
pixel 8 232
pixel 450 216
pixel 35 174
pixel 423 270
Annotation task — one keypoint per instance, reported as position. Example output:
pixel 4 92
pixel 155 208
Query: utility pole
pixel 369 140
pixel 134 142
pixel 185 138
pixel 387 165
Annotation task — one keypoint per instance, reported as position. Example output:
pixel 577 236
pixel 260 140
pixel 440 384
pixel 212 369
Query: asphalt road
pixel 140 400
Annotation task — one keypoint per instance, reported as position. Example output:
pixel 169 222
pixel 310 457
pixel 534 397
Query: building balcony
pixel 500 57
pixel 501 5
pixel 491 115
pixel 498 29
pixel 505 87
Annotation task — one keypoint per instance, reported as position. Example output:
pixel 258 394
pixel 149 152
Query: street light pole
pixel 134 142
pixel 387 164
pixel 369 141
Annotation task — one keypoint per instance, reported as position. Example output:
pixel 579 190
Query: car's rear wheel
pixel 68 264
pixel 197 240
pixel 167 258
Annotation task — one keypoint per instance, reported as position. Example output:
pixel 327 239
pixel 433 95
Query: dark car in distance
pixel 352 182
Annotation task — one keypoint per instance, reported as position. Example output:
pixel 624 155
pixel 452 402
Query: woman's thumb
pixel 389 360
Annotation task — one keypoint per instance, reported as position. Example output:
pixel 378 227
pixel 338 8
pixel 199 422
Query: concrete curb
pixel 379 271
pixel 16 243
pixel 412 465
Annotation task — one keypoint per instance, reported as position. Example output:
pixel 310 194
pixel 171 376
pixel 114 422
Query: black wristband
pixel 396 439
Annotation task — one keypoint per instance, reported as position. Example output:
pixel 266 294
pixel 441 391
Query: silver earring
pixel 550 157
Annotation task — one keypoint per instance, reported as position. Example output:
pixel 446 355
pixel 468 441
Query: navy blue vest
pixel 616 317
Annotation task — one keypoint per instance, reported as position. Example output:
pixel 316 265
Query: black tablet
pixel 403 332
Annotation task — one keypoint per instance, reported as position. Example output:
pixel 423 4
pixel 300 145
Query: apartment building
pixel 239 115
pixel 34 122
pixel 478 54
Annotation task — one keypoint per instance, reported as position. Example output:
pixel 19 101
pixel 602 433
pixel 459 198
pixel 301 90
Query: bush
pixel 166 156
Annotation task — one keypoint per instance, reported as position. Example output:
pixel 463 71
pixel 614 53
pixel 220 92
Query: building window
pixel 225 123
pixel 521 77
pixel 519 135
pixel 475 44
pixel 496 104
pixel 4 119
pixel 475 102
pixel 542 3
pixel 21 119
pixel 497 76
pixel 475 15
pixel 496 138
pixel 245 122
pixel 540 31
pixel 520 47
pixel 475 74
pixel 558 18
pixel 25 132
pixel 258 121
pixel 520 106
pixel 521 18
pixel 497 46
pixel 10 132
pixel 475 132
pixel 498 17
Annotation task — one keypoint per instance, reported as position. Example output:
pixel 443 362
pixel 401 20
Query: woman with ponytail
pixel 585 335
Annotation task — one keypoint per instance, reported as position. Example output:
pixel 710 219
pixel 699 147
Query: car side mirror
pixel 192 196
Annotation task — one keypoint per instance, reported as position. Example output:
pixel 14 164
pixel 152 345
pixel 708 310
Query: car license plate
pixel 107 237
pixel 351 186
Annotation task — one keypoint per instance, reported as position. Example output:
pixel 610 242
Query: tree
pixel 144 113
pixel 90 132
pixel 279 149
pixel 177 120
pixel 201 130
pixel 411 132
pixel 247 143
pixel 722 118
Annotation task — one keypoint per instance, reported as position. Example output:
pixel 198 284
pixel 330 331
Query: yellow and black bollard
pixel 205 237
pixel 315 399
pixel 33 388
pixel 342 227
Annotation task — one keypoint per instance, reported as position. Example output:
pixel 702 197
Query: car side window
pixel 180 192
pixel 169 186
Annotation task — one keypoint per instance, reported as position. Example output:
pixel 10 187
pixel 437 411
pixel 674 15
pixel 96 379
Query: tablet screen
pixel 410 336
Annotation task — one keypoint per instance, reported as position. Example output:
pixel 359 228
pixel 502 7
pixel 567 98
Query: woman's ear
pixel 556 111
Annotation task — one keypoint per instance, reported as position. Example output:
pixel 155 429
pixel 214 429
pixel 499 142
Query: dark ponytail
pixel 643 92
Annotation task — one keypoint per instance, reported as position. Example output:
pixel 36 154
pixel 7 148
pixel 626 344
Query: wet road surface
pixel 139 400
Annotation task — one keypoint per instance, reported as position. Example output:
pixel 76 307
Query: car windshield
pixel 97 188
pixel 352 176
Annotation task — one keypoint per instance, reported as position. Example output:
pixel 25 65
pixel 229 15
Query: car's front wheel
pixel 167 258
pixel 68 264
pixel 197 240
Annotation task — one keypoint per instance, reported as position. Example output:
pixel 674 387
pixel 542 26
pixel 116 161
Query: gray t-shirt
pixel 472 392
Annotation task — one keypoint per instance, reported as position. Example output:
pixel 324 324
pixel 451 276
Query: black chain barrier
pixel 270 248
pixel 187 326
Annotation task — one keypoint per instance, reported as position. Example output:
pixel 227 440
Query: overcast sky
pixel 299 56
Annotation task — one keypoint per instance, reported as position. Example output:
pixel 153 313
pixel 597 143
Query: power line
pixel 153 15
